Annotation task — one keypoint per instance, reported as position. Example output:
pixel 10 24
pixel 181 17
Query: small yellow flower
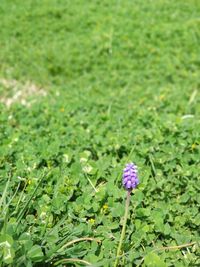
pixel 105 207
pixel 193 146
pixel 91 221
pixel 62 110
pixel 29 181
pixel 162 97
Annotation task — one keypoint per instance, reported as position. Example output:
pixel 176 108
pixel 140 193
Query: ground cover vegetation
pixel 86 87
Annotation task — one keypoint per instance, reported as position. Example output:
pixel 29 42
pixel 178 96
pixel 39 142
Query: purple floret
pixel 130 177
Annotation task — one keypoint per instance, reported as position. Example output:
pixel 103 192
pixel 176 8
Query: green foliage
pixel 153 260
pixel 121 80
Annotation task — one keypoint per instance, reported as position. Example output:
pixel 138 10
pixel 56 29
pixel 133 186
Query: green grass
pixel 122 84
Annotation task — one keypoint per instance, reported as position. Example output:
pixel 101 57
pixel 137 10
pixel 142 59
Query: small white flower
pixel 66 158
pixel 43 217
pixel 82 160
pixel 87 168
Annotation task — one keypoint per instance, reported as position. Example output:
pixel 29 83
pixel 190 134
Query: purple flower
pixel 130 177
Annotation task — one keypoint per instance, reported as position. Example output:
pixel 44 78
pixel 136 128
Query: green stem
pixel 123 228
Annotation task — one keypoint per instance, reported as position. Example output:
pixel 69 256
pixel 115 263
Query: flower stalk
pixel 123 228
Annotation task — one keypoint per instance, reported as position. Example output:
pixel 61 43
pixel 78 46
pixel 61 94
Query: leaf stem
pixel 79 240
pixel 72 260
pixel 123 228
pixel 176 247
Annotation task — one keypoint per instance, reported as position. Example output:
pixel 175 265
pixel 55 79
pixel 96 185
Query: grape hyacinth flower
pixel 130 182
pixel 130 177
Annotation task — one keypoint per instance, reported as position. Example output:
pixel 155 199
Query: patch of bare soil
pixel 13 91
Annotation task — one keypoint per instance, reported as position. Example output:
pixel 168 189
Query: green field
pixel 86 87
